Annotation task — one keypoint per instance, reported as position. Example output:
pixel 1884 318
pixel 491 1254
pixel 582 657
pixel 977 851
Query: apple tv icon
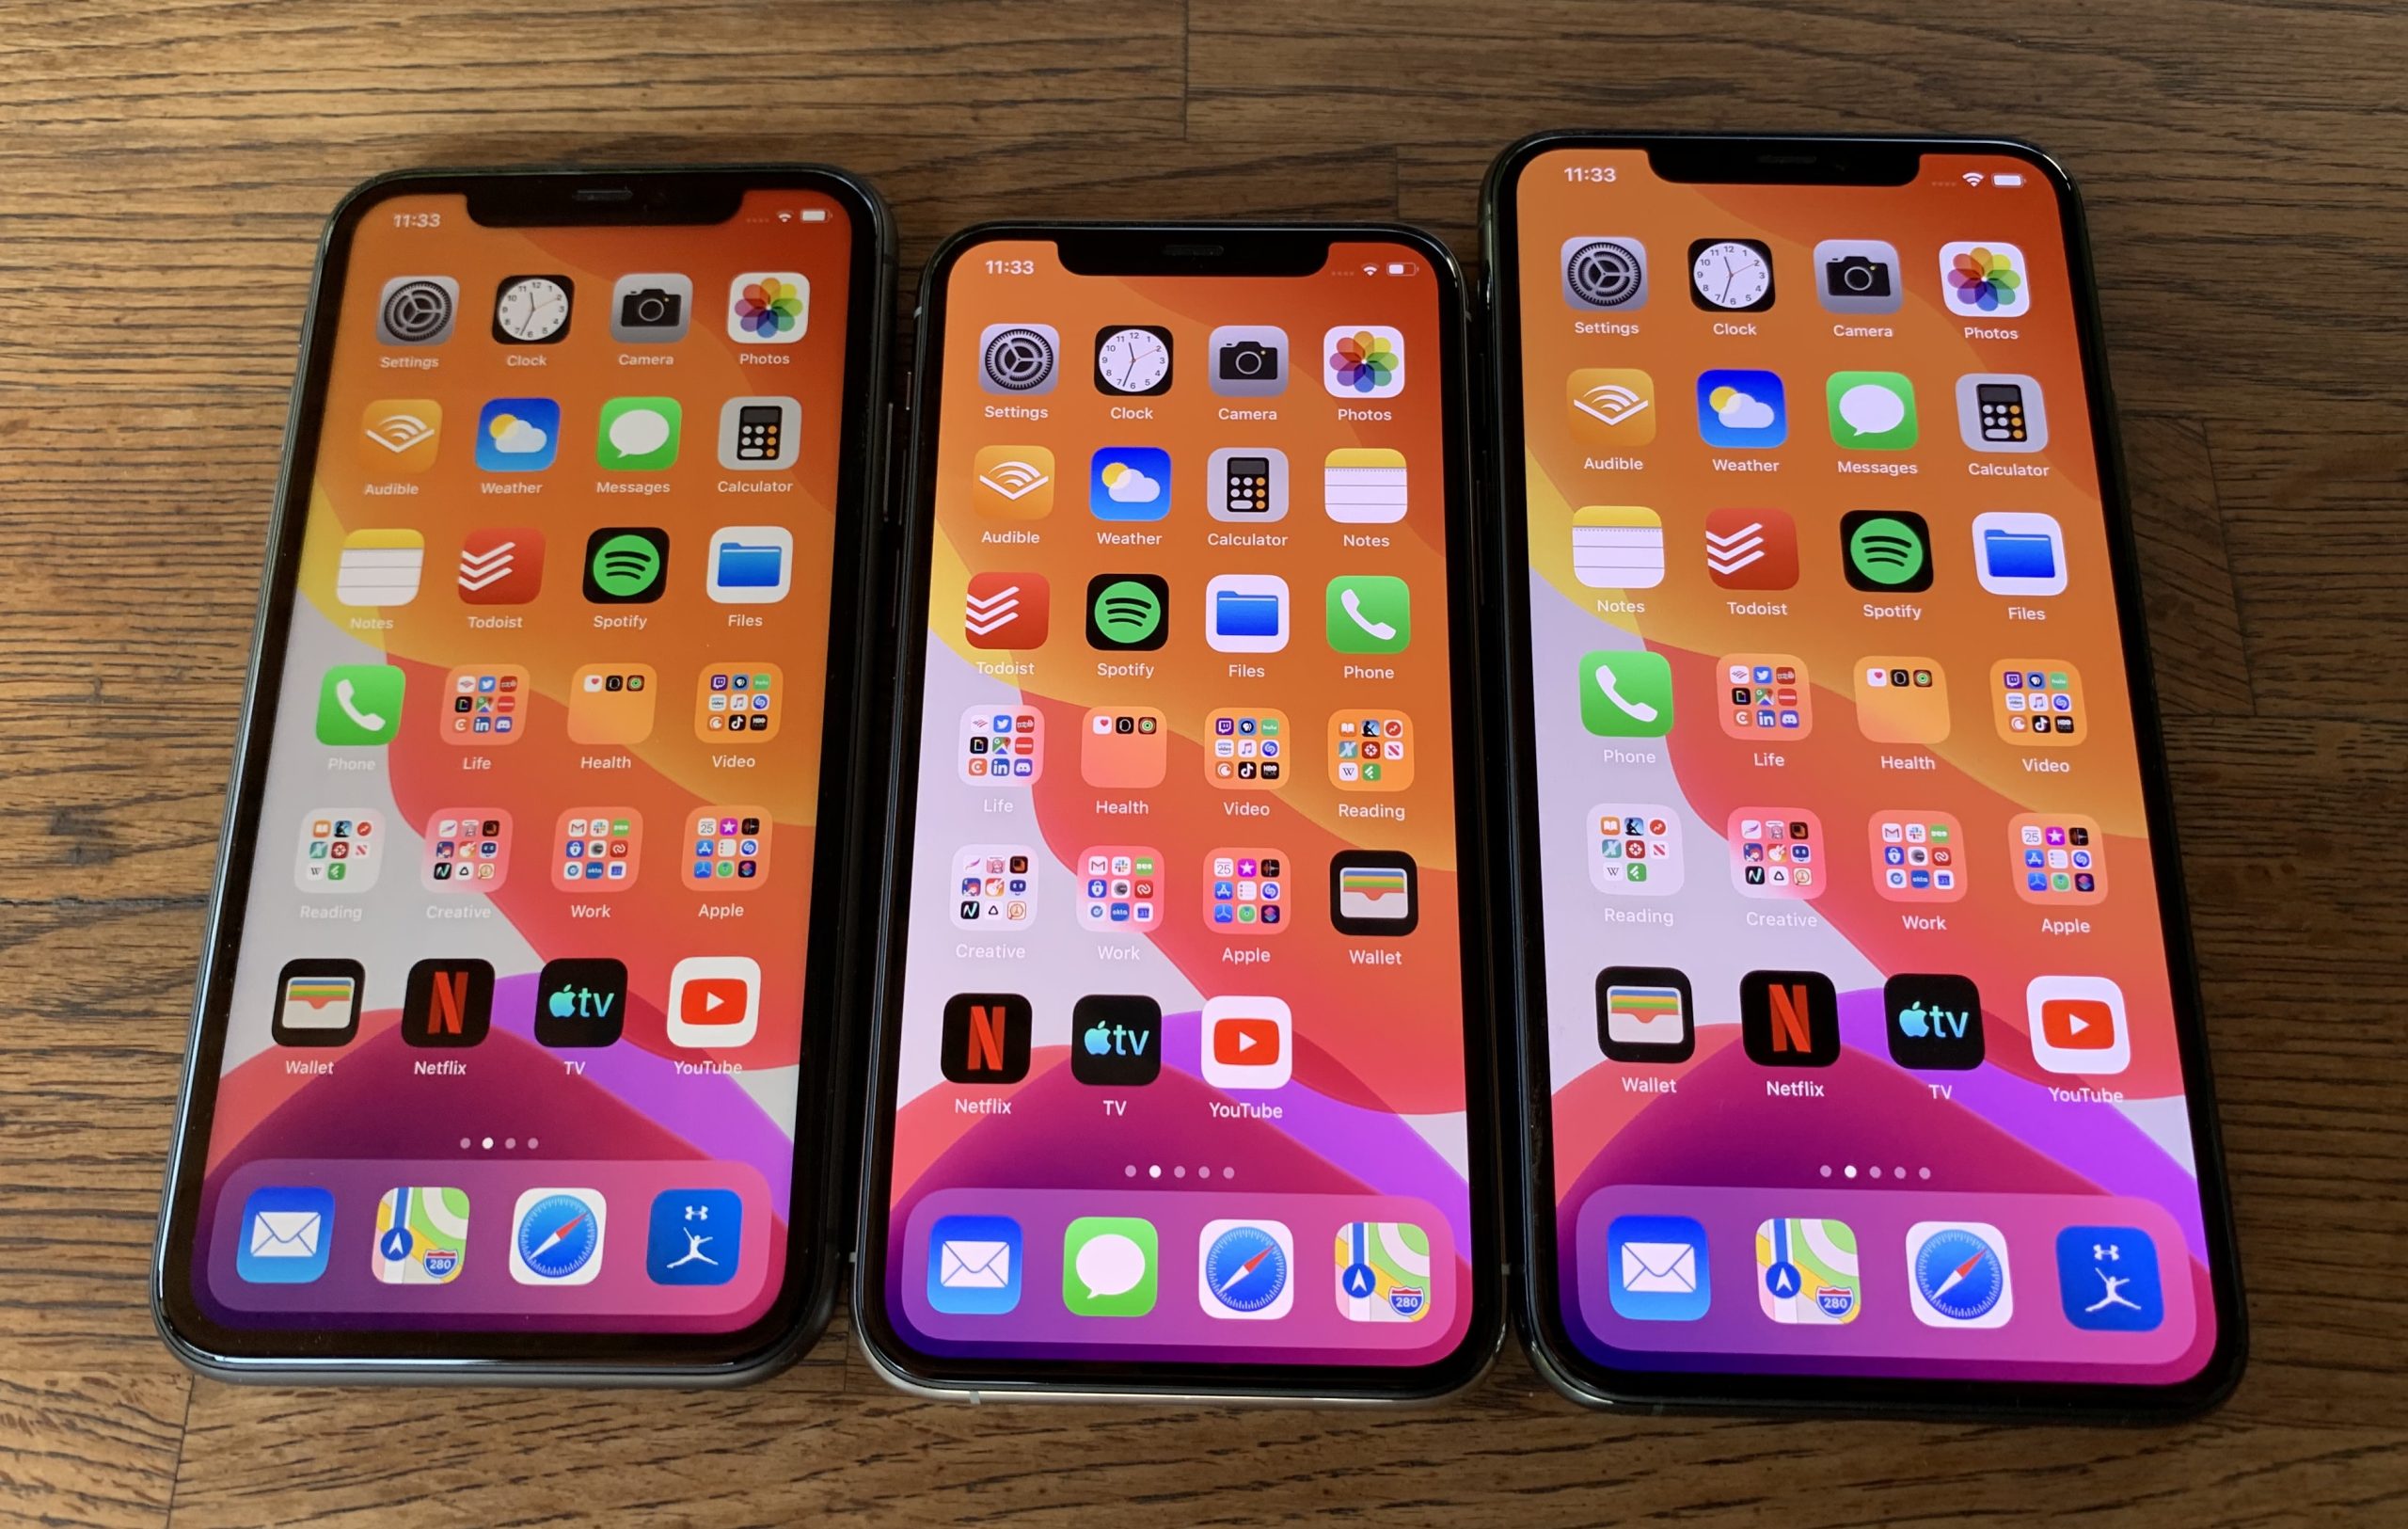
pixel 1116 1041
pixel 580 1002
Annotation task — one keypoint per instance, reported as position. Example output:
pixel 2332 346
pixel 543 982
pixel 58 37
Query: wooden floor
pixel 167 165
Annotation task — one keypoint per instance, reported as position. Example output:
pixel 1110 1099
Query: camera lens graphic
pixel 1019 360
pixel 417 310
pixel 1604 274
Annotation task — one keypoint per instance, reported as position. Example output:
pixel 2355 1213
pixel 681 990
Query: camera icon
pixel 1247 361
pixel 1858 276
pixel 651 308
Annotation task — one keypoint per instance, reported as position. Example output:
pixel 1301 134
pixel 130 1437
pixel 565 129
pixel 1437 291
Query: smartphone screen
pixel 504 1032
pixel 1860 996
pixel 1175 1073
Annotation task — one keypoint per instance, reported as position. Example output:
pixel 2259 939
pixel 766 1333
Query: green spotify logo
pixel 626 565
pixel 1887 552
pixel 1128 611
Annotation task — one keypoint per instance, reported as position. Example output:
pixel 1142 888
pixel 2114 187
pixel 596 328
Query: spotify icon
pixel 1886 552
pixel 1128 612
pixel 626 565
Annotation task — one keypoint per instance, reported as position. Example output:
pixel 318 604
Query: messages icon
pixel 1110 1265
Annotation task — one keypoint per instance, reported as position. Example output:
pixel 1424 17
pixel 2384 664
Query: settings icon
pixel 1018 358
pixel 1604 273
pixel 417 309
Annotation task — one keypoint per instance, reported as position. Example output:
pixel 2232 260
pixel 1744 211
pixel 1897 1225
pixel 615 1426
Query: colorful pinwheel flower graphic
pixel 768 307
pixel 1363 362
pixel 1984 280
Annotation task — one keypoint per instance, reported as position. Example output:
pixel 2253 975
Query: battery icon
pixel 2007 178
pixel 815 215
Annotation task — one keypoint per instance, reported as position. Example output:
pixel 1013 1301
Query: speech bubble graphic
pixel 639 432
pixel 1111 1264
pixel 1871 409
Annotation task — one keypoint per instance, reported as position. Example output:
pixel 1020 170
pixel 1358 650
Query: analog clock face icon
pixel 531 309
pixel 1731 276
pixel 1132 360
pixel 555 1236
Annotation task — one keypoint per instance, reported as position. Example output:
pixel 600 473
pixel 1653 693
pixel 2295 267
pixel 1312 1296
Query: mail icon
pixel 1664 1268
pixel 974 1264
pixel 284 1235
pixel 1661 1269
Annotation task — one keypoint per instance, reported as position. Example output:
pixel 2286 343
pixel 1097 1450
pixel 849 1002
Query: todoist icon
pixel 714 1001
pixel 985 1038
pixel 1247 1043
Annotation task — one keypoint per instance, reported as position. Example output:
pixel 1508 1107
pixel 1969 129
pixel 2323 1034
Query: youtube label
pixel 714 1001
pixel 1247 1043
pixel 2077 1024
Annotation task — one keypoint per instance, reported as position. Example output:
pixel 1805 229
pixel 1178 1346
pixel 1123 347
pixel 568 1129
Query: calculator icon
pixel 1247 483
pixel 759 434
pixel 2001 412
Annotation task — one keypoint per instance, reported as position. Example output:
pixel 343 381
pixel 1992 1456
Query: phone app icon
pixel 1611 406
pixel 317 1002
pixel 1917 856
pixel 651 308
pixel 1246 612
pixel 1901 699
pixel 2017 553
pixel 400 435
pixel 1129 483
pixel 1110 1265
pixel 1934 1022
pixel 1626 693
pixel 1245 1271
pixel 1661 1269
pixel 693 1237
pixel 1002 746
pixel 768 307
pixel 1371 750
pixel 1375 892
pixel 1603 272
pixel 518 435
pixel 1807 1273
pixel 1248 751
pixel 1363 362
pixel 995 886
pixel 2037 702
pixel 1124 749
pixel 340 849
pixel 1246 890
pixel 1776 852
pixel 1365 485
pixel 1646 1014
pixel 1248 360
pixel 465 849
pixel 1132 360
pixel 2001 412
pixel 2108 1279
pixel 500 565
pixel 638 435
pixel 448 1003
pixel 975 1266
pixel 287 1232
pixel 532 310
pixel 2060 858
pixel 1752 549
pixel 1956 1275
pixel 984 1038
pixel 1858 275
pixel 555 1236
pixel 1742 410
pixel 1871 411
pixel 1886 552
pixel 1247 1043
pixel 596 848
pixel 1984 279
pixel 714 1002
pixel 1384 1271
pixel 1765 695
pixel 626 565
pixel 379 567
pixel 581 1001
pixel 612 703
pixel 360 704
pixel 1731 276
pixel 1617 547
pixel 760 434
pixel 417 310
pixel 2077 1024
pixel 751 565
pixel 732 699
pixel 1120 888
pixel 1128 612
pixel 1004 610
pixel 1246 483
pixel 1635 849
pixel 730 849
pixel 422 1235
pixel 1369 612
pixel 482 704
pixel 1116 1041
pixel 1015 482
pixel 1789 1019
pixel 1018 358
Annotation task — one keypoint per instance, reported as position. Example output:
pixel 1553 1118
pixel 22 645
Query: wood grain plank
pixel 78 1448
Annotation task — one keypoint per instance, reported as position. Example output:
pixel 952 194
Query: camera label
pixel 1247 361
pixel 651 308
pixel 1858 276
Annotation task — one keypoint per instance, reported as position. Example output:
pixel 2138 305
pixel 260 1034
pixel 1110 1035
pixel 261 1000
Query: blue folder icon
pixel 2011 555
pixel 1237 614
pixel 748 567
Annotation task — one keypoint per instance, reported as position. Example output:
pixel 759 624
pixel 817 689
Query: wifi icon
pixel 626 565
pixel 1128 612
pixel 1886 552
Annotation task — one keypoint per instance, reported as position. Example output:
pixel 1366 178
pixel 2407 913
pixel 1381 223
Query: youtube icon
pixel 714 1001
pixel 1246 1042
pixel 2077 1024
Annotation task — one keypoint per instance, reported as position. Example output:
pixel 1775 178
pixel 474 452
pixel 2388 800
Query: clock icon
pixel 1132 360
pixel 531 309
pixel 1731 276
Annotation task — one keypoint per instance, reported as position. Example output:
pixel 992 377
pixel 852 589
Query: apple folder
pixel 318 1003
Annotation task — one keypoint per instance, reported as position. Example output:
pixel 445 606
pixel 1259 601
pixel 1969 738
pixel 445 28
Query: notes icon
pixel 380 567
pixel 1363 485
pixel 1617 547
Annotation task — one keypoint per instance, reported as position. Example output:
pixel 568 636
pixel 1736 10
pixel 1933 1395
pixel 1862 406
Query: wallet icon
pixel 974 1264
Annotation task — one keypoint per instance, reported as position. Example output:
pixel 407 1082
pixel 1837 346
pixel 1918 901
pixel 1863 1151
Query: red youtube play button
pixel 1240 1042
pixel 1245 1043
pixel 2078 1024
pixel 714 1001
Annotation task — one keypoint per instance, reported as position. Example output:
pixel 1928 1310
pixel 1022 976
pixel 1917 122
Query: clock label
pixel 1731 276
pixel 531 309
pixel 1132 360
